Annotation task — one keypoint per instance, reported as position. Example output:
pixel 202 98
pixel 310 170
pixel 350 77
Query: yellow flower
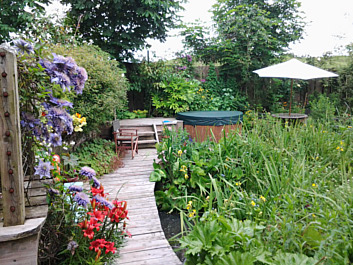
pixel 341 143
pixel 183 168
pixel 253 203
pixel 237 183
pixel 338 147
pixel 78 115
pixel 313 215
pixel 341 150
pixel 349 127
pixel 203 96
pixel 186 176
pixel 192 214
pixel 262 198
pixel 180 152
pixel 314 185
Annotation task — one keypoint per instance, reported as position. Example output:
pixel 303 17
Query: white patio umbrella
pixel 294 69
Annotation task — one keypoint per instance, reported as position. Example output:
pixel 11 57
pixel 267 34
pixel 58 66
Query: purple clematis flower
pixel 55 139
pixel 65 72
pixel 61 102
pixel 23 46
pixel 28 121
pixel 43 169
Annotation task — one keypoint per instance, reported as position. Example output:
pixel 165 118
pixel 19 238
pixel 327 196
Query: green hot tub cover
pixel 210 118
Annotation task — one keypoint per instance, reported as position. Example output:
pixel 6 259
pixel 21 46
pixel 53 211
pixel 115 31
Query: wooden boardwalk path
pixel 148 244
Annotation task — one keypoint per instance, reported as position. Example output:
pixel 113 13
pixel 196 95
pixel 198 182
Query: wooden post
pixel 11 170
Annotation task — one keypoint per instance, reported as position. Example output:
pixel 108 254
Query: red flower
pixel 97 244
pixel 99 215
pixel 94 223
pixel 89 232
pixel 99 191
pixel 121 204
pixel 43 114
pixel 83 224
pixel 117 214
pixel 110 247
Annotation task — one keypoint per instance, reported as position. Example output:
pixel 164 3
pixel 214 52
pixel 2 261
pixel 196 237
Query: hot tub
pixel 200 123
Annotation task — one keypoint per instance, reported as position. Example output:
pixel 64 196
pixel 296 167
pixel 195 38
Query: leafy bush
pixel 175 94
pixel 105 90
pixel 99 154
pixel 224 95
pixel 322 108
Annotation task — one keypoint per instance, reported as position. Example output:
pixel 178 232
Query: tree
pixel 17 14
pixel 250 34
pixel 120 27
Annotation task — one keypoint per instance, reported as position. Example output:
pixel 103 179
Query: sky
pixel 329 28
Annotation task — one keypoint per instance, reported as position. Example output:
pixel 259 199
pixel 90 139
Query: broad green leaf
pixel 157 175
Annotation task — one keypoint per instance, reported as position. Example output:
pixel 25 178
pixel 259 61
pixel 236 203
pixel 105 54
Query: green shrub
pixel 322 108
pixel 175 94
pixel 224 94
pixel 98 154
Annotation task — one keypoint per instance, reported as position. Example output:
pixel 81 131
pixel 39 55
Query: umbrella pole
pixel 290 100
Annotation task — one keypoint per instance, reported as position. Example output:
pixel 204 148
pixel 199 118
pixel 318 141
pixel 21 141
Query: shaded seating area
pixel 125 139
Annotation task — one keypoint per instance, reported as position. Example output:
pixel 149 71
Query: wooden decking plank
pixel 161 254
pixel 148 244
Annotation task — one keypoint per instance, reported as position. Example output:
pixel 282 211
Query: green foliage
pixel 145 77
pixel 175 94
pixel 120 27
pixel 105 90
pixel 17 15
pixel 292 179
pixel 322 108
pixel 225 95
pixel 98 154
